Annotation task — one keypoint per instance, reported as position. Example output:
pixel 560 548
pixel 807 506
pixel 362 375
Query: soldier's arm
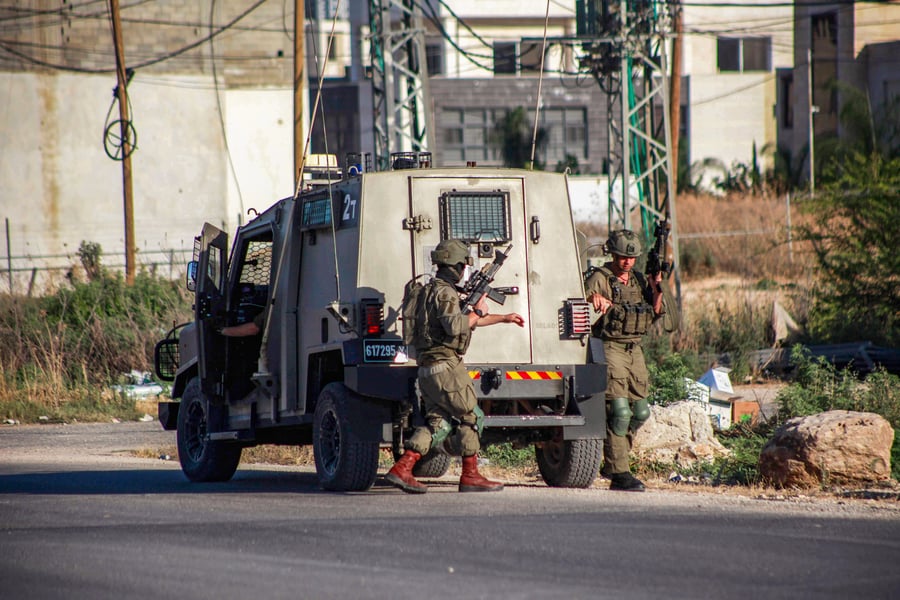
pixel 655 282
pixel 597 293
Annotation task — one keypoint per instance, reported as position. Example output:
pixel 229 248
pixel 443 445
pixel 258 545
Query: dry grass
pixel 737 236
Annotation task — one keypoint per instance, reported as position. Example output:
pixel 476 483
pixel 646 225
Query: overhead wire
pixel 138 65
pixel 320 73
pixel 537 108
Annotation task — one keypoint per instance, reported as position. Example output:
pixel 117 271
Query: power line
pixel 138 65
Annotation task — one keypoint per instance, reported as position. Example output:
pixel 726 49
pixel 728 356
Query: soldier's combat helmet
pixel 450 253
pixel 624 242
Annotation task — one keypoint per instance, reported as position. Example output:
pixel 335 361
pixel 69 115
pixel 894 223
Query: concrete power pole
pixel 124 131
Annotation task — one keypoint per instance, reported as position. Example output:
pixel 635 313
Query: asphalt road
pixel 79 518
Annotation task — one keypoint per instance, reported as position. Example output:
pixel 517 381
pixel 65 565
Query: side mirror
pixel 192 276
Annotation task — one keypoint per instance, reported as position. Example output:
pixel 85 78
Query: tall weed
pixel 60 352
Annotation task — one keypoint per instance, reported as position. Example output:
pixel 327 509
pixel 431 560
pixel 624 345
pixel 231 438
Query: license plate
pixel 384 351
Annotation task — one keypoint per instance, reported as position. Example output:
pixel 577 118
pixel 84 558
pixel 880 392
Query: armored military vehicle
pixel 327 269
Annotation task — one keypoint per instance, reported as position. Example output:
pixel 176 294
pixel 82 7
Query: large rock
pixel 835 447
pixel 679 434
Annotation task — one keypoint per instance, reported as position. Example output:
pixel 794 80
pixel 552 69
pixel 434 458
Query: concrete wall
pixel 58 187
pixel 729 111
pixel 729 114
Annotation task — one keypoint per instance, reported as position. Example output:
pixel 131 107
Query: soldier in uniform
pixel 450 404
pixel 628 303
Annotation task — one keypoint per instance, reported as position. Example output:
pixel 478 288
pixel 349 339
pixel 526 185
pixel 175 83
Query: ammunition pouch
pixel 628 319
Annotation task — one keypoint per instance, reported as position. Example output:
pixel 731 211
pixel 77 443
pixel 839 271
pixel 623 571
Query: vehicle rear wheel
pixel 433 464
pixel 344 461
pixel 202 459
pixel 569 463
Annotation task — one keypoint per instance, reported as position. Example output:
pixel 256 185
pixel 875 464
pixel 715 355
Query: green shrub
pixel 746 444
pixel 853 234
pixel 508 456
pixel 667 379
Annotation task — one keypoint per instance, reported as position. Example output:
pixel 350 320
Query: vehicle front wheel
pixel 202 459
pixel 344 461
pixel 569 463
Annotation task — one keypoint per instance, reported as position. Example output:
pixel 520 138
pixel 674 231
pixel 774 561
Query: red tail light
pixel 373 317
pixel 577 318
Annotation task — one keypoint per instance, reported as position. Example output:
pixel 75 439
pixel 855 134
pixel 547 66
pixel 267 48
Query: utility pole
pixel 301 101
pixel 813 109
pixel 675 85
pixel 122 96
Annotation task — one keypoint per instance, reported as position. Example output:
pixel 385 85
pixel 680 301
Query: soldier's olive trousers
pixel 447 393
pixel 627 377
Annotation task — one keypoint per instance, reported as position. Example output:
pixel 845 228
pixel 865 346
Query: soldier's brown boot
pixel 472 481
pixel 401 475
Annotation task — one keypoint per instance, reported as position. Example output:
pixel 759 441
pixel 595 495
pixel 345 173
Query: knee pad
pixel 641 414
pixel 441 433
pixel 478 425
pixel 619 415
pixel 479 420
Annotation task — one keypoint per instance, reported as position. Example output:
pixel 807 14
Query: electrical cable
pixel 537 108
pixel 321 80
pixel 139 65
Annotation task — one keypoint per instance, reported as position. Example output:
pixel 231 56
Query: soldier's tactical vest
pixel 440 339
pixel 631 314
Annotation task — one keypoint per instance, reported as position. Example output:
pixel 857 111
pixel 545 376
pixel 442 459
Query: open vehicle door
pixel 209 308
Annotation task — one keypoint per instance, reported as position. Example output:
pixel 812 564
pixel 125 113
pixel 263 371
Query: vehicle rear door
pixel 488 213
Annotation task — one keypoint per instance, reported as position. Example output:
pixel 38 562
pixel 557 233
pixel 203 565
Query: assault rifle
pixel 479 284
pixel 661 257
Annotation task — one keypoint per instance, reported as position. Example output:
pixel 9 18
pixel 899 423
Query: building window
pixel 326 9
pixel 466 135
pixel 511 58
pixel 786 101
pixel 530 58
pixel 505 58
pixel 567 134
pixel 744 54
pixel 434 57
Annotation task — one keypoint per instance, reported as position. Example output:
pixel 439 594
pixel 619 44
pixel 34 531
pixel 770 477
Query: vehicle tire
pixel 202 460
pixel 569 463
pixel 433 464
pixel 344 462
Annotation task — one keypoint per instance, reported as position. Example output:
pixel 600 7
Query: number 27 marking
pixel 349 209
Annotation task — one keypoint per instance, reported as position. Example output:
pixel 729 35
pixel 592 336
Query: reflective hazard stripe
pixel 533 375
pixel 524 375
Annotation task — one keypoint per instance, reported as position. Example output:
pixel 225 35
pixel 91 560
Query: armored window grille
pixel 257 263
pixel 316 213
pixel 475 216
